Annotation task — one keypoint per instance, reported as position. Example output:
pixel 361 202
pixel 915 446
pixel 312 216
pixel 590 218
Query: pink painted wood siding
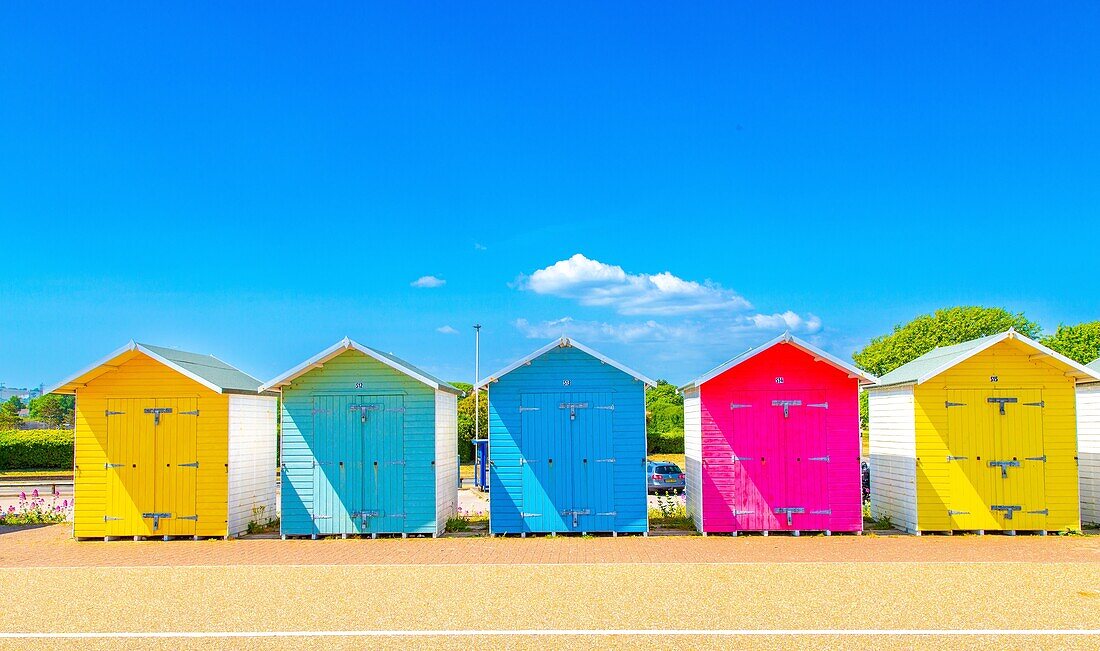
pixel 756 460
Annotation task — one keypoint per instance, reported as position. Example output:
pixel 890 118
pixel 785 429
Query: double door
pixel 996 459
pixel 568 461
pixel 359 464
pixel 770 466
pixel 152 467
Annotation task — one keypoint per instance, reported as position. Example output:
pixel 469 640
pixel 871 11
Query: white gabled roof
pixel 207 370
pixel 347 344
pixel 939 360
pixel 789 339
pixel 564 342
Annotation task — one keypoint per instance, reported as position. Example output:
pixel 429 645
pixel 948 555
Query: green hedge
pixel 667 443
pixel 26 449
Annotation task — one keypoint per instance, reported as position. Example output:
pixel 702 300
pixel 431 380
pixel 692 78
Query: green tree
pixel 466 420
pixel 664 409
pixel 9 413
pixel 55 410
pixel 945 327
pixel 1080 342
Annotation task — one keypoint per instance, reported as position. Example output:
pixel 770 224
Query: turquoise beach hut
pixel 369 445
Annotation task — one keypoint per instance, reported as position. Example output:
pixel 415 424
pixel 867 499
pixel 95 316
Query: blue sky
pixel 259 184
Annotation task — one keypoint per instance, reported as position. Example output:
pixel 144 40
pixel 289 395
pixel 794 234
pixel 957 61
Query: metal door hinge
pixel 822 512
pixel 372 513
pixel 948 404
pixel 734 405
pixel 789 511
pixel 737 458
pixel 395 463
pixel 114 465
pixel 1007 509
pixel 396 410
pixel 194 412
pixel 953 458
pixel 607 407
pixel 609 513
pixel 1004 466
pixel 950 512
pixel 824 458
pixel 113 413
pixel 193 464
pixel 1001 402
pixel 157 411
pixel 189 517
pixel 1042 458
pixel 528 408
pixel 1042 512
pixel 394 515
pixel 822 405
pixel 786 405
pixel 108 518
pixel 611 460
pixel 321 517
pixel 530 515
pixel 321 411
pixel 1041 403
pixel 741 512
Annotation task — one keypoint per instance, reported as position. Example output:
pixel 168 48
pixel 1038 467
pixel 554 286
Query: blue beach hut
pixel 567 439
pixel 369 445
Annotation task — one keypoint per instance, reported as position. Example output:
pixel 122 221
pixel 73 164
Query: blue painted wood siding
pixel 339 377
pixel 546 375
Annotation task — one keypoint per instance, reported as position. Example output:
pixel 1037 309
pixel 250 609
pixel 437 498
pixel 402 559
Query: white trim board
pixel 337 349
pixel 785 338
pixel 564 342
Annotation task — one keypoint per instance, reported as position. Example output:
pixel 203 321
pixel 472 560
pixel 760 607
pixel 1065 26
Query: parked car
pixel 664 476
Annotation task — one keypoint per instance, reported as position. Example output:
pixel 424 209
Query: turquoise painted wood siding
pixel 548 458
pixel 320 429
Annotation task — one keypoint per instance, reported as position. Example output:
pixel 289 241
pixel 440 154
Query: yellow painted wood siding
pixel 1012 364
pixel 142 377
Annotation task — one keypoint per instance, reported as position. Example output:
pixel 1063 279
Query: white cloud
pixel 447 330
pixel 787 321
pixel 594 283
pixel 478 246
pixel 428 282
pixel 645 331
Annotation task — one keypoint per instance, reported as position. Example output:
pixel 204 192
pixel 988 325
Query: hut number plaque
pixel 358 385
pixel 779 380
pixel 566 383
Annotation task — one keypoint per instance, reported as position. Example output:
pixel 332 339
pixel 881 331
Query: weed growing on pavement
pixel 670 513
pixel 465 520
pixel 260 522
pixel 34 509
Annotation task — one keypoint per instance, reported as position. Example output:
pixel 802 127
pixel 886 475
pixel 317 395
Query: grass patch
pixel 35 472
pixel 670 514
pixel 261 522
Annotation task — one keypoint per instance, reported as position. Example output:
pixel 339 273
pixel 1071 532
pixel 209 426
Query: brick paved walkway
pixel 53 547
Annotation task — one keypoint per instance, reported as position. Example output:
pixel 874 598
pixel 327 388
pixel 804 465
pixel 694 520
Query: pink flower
pixel 22 496
pixel 65 503
pixel 35 492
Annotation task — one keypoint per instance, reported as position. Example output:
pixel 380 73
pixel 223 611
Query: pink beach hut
pixel 772 442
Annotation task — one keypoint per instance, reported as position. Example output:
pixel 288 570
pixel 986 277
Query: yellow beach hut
pixel 980 436
pixel 170 443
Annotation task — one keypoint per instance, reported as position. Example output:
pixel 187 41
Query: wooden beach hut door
pixel 382 421
pixel 151 467
pixel 741 470
pixel 590 417
pixel 337 464
pixel 545 488
pixel 804 451
pixel 996 459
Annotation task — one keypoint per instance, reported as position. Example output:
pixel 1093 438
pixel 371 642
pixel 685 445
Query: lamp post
pixel 477 376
